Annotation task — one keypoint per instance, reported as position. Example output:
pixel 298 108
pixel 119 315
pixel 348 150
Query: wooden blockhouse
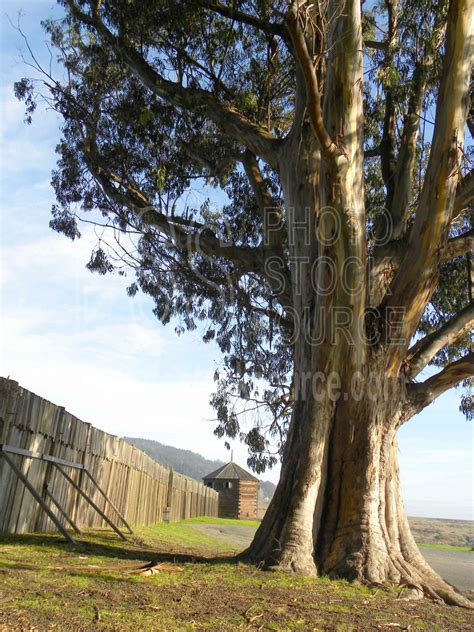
pixel 238 491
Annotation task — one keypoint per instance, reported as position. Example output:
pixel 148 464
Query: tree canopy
pixel 163 98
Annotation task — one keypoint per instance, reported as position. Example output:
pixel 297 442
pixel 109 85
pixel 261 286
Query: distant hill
pixel 187 462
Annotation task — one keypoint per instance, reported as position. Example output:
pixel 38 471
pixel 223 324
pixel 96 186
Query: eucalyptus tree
pixel 337 265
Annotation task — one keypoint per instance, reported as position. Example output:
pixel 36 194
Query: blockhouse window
pixel 228 485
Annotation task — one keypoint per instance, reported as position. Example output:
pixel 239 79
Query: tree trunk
pixel 338 509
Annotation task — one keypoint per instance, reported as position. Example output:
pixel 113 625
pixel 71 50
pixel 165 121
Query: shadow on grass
pixel 108 545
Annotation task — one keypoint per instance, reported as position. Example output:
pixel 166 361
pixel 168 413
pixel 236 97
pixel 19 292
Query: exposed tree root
pixel 400 564
pixel 421 582
pixel 422 579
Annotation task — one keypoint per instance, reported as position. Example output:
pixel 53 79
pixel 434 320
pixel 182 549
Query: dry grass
pixel 442 532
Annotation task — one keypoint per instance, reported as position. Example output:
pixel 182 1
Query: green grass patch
pixel 445 547
pixel 182 535
pixel 237 523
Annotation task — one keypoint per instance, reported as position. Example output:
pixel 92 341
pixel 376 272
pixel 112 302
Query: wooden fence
pixel 144 491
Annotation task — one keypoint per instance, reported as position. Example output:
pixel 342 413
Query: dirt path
pixel 456 567
pixel 237 536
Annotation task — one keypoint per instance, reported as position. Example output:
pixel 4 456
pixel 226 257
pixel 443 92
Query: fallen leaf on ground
pixel 153 569
pixel 255 617
pixel 123 566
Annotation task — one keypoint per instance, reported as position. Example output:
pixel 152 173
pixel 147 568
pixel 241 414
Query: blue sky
pixel 78 340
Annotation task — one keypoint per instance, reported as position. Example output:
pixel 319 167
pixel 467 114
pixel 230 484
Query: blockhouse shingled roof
pixel 230 471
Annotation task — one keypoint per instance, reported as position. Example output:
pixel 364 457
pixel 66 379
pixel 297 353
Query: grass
pixel 45 583
pixel 238 523
pixel 445 547
pixel 182 535
pixel 441 531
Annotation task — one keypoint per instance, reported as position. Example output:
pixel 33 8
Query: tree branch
pixel 271 218
pixel 407 154
pixel 388 257
pixel 270 28
pixel 387 144
pixel 458 246
pixel 271 314
pixel 215 168
pixel 416 278
pixel 374 152
pixel 343 100
pixel 393 250
pixel 422 394
pixel 374 44
pixel 226 117
pixel 294 135
pixel 464 194
pixel 203 240
pixel 314 109
pixel 269 209
pixel 425 349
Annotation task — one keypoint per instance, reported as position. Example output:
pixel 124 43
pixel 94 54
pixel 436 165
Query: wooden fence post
pixel 48 494
pixel 91 502
pixel 168 510
pixel 108 500
pixel 37 497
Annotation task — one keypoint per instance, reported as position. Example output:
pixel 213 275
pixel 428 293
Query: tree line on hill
pixel 187 462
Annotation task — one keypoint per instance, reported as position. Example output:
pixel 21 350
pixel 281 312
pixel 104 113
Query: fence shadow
pixel 106 545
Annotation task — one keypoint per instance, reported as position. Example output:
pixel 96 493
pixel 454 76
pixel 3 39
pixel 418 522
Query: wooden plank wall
pixel 137 485
pixel 228 498
pixel 248 500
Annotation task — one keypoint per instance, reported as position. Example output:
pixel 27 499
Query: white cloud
pixel 25 147
pixel 11 111
pixel 173 412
